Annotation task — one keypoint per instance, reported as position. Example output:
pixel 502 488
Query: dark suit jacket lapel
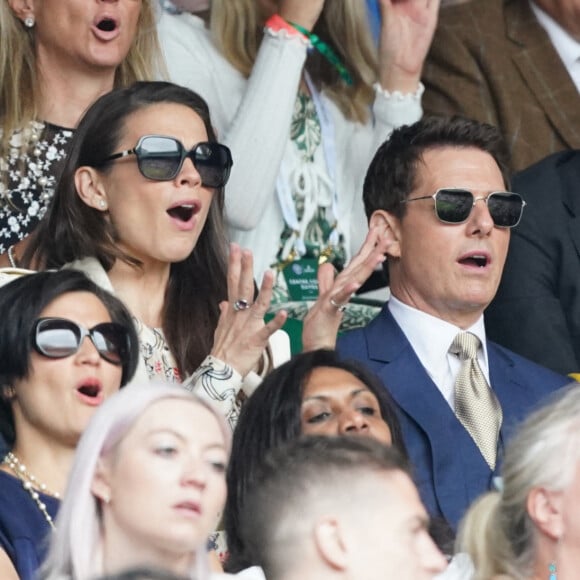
pixel 534 55
pixel 570 189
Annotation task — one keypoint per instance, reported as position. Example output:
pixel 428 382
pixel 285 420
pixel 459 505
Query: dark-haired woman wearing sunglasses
pixel 65 346
pixel 139 209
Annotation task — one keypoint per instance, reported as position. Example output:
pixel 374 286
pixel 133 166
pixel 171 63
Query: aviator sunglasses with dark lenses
pixel 161 158
pixel 454 206
pixel 59 338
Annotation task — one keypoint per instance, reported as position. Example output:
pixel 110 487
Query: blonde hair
pixel 235 26
pixel 498 532
pixel 19 91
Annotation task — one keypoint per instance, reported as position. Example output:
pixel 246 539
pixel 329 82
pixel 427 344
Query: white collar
pixel 420 328
pixel 567 47
pixel 431 338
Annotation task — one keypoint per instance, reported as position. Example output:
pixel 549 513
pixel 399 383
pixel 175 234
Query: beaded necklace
pixel 30 483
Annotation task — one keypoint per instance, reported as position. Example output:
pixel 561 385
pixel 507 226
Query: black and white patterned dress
pixel 28 178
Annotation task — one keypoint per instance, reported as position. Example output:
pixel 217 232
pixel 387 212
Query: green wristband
pixel 326 51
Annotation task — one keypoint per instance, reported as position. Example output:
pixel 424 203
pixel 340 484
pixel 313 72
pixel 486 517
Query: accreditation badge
pixel 301 280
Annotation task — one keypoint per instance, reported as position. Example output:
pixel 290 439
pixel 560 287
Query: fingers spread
pixel 325 276
pixel 234 271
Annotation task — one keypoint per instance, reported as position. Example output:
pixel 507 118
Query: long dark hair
pixel 270 418
pixel 21 304
pixel 72 230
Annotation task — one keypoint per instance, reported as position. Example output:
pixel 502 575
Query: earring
pixel 9 393
pixel 102 204
pixel 106 498
pixel 553 573
pixel 29 21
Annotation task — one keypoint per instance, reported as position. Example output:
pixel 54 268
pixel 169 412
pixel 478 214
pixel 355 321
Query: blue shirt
pixel 374 14
pixel 24 530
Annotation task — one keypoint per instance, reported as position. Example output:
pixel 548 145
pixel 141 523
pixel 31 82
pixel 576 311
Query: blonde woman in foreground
pixel 146 487
pixel 530 530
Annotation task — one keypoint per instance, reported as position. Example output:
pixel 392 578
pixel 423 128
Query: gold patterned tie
pixel 475 403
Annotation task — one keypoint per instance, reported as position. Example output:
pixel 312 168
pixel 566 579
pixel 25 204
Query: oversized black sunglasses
pixel 161 158
pixel 59 338
pixel 454 206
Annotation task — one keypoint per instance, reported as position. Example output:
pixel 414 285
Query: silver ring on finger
pixel 241 304
pixel 339 307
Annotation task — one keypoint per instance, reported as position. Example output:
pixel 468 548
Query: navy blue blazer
pixel 449 469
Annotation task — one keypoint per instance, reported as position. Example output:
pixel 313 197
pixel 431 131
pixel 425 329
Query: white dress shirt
pixel 567 47
pixel 431 338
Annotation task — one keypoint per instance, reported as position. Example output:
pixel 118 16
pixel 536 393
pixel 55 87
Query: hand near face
pixel 241 335
pixel 406 33
pixel 303 12
pixel 323 319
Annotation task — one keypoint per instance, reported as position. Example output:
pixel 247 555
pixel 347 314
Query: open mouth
pixel 107 25
pixel 90 391
pixel 183 213
pixel 475 260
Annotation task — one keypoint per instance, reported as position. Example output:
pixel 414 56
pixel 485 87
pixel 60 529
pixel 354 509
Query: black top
pixel 28 179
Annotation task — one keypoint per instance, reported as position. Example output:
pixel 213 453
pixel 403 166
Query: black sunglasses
pixel 59 338
pixel 453 206
pixel 161 158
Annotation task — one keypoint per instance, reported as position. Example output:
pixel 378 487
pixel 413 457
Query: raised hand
pixel 323 319
pixel 406 33
pixel 241 334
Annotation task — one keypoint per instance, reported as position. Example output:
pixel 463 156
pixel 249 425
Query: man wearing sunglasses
pixel 440 189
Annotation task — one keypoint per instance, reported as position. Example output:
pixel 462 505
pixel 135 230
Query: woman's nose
pixel 352 422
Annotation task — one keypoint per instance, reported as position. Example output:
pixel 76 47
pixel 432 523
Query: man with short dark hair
pixel 326 508
pixel 440 189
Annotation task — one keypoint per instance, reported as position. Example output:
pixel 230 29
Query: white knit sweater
pixel 253 116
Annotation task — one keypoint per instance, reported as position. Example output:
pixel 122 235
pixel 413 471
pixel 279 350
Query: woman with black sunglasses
pixel 65 346
pixel 139 209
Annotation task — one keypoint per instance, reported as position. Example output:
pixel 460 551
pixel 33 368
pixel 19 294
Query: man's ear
pixel 392 228
pixel 22 8
pixel 330 543
pixel 91 189
pixel 545 508
pixel 100 486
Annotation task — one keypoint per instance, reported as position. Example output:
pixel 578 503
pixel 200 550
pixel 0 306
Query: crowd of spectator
pixel 289 289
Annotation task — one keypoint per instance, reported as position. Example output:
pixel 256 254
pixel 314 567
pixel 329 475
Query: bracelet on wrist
pixel 398 95
pixel 326 51
pixel 276 23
